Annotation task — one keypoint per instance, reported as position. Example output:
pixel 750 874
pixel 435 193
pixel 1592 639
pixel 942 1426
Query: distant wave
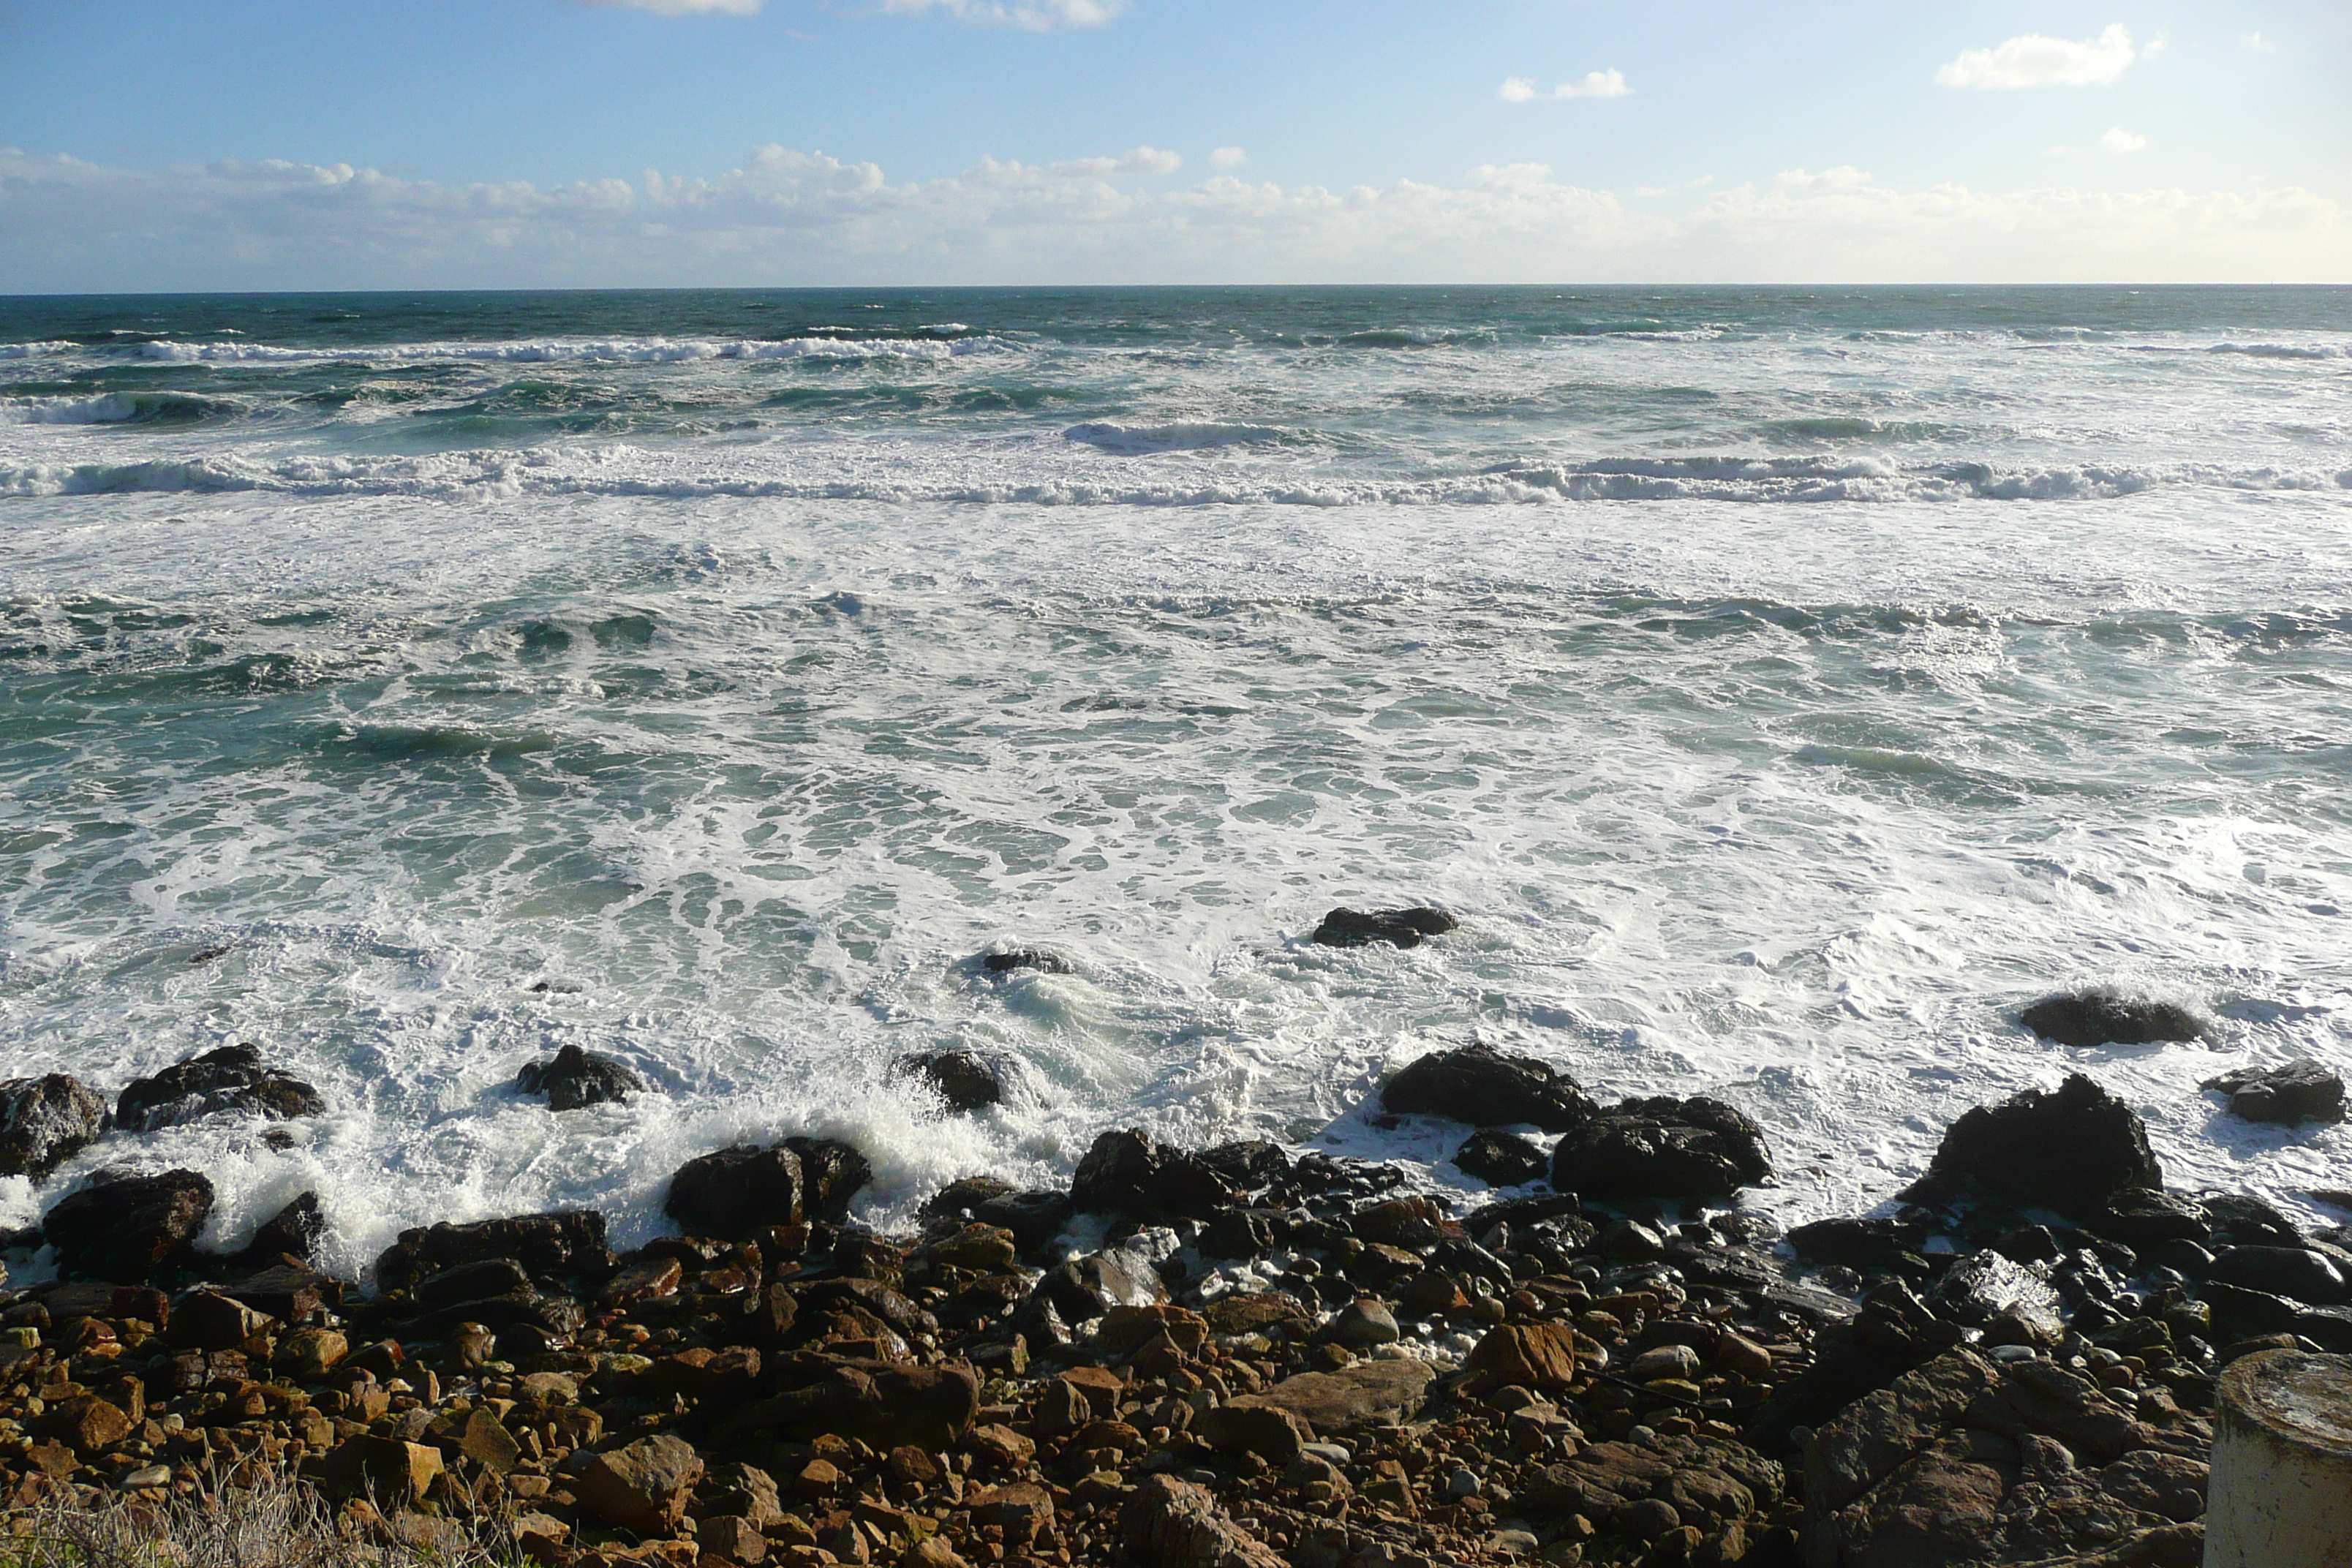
pixel 2280 351
pixel 1132 440
pixel 564 351
pixel 32 351
pixel 114 408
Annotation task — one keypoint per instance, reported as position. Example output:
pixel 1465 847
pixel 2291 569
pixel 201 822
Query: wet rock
pixel 737 1193
pixel 1034 1216
pixel 1090 1287
pixel 1400 928
pixel 45 1121
pixel 1479 1085
pixel 1500 1159
pixel 2240 1219
pixel 1977 1291
pixel 230 1079
pixel 1248 1166
pixel 832 1174
pixel 1662 1148
pixel 1008 960
pixel 2142 1218
pixel 127 1227
pixel 2301 1090
pixel 294 1231
pixel 1172 1523
pixel 572 1079
pixel 963 1081
pixel 643 1487
pixel 1361 1324
pixel 1875 1243
pixel 2102 1017
pixel 2072 1149
pixel 1133 1173
pixel 549 1245
pixel 2297 1273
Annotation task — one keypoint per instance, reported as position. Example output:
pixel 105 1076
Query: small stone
pixel 1666 1361
pixel 1361 1324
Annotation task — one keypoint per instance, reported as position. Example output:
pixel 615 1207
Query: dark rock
pixel 471 1282
pixel 880 1403
pixel 1249 1166
pixel 45 1121
pixel 2141 1218
pixel 2301 1090
pixel 737 1193
pixel 832 1173
pixel 1479 1085
pixel 1131 1173
pixel 1089 1286
pixel 643 1487
pixel 1662 1148
pixel 1862 1243
pixel 963 1081
pixel 231 1078
pixel 1012 958
pixel 550 1245
pixel 2240 1219
pixel 2100 1017
pixel 126 1228
pixel 574 1078
pixel 1500 1159
pixel 2072 1149
pixel 2295 1273
pixel 1976 1291
pixel 294 1231
pixel 1171 1523
pixel 1035 1216
pixel 1401 928
pixel 1239 1232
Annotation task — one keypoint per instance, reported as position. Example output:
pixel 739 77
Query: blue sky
pixel 270 144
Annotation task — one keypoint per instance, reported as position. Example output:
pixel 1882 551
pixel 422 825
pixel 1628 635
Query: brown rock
pixel 733 1537
pixel 1168 1523
pixel 87 1425
pixel 390 1472
pixel 1737 1354
pixel 985 1248
pixel 1003 1446
pixel 1271 1433
pixel 1125 1329
pixel 931 1552
pixel 488 1444
pixel 1021 1510
pixel 648 1279
pixel 913 1466
pixel 1370 1389
pixel 1867 1440
pixel 307 1355
pixel 643 1487
pixel 1533 1355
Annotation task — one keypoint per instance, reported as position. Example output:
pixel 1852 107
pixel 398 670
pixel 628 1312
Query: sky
pixel 204 144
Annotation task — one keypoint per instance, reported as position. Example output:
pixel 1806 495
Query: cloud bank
pixel 1610 83
pixel 1034 15
pixel 788 216
pixel 2032 60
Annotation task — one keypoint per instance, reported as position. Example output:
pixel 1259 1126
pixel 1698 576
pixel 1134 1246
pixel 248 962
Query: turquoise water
pixel 1783 685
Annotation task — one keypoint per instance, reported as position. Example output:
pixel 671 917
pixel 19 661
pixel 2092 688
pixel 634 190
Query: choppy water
pixel 1784 686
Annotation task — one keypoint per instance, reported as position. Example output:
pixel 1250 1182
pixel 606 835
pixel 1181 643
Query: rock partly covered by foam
pixel 1131 1173
pixel 45 1121
pixel 736 1192
pixel 2074 1150
pixel 1010 959
pixel 233 1079
pixel 1481 1086
pixel 573 1079
pixel 1500 1159
pixel 1662 1148
pixel 1398 928
pixel 964 1080
pixel 2102 1017
pixel 127 1228
pixel 2297 1091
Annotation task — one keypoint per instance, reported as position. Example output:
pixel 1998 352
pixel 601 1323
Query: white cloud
pixel 1610 83
pixel 2119 139
pixel 1229 157
pixel 2256 44
pixel 789 216
pixel 1034 15
pixel 684 7
pixel 1142 161
pixel 2033 60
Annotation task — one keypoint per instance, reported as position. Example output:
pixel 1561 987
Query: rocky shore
pixel 1251 1358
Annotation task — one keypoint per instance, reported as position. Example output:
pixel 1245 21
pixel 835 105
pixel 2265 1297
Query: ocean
pixel 1782 685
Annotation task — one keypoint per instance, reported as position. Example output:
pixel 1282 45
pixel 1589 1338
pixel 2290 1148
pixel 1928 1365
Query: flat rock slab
pixel 1368 1391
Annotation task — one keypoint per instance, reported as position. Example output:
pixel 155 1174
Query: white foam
pixel 575 350
pixel 1182 437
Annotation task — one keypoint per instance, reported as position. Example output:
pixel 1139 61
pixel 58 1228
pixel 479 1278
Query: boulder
pixel 384 1470
pixel 1006 961
pixel 2102 1017
pixel 2300 1090
pixel 127 1228
pixel 737 1193
pixel 643 1487
pixel 2142 1217
pixel 963 1081
pixel 1500 1159
pixel 45 1121
pixel 1662 1148
pixel 1249 1166
pixel 294 1231
pixel 1368 1391
pixel 1035 1216
pixel 1400 928
pixel 1531 1356
pixel 1978 1289
pixel 2072 1149
pixel 572 1079
pixel 549 1245
pixel 1874 1243
pixel 1479 1085
pixel 230 1079
pixel 832 1173
pixel 1171 1523
pixel 1132 1173
pixel 1361 1324
pixel 1090 1287
pixel 880 1403
pixel 2298 1273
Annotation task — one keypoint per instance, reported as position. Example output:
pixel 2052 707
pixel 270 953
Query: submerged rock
pixel 2102 1017
pixel 1500 1159
pixel 572 1079
pixel 126 1228
pixel 45 1121
pixel 2301 1090
pixel 1132 1173
pixel 1662 1148
pixel 1400 928
pixel 964 1080
pixel 231 1078
pixel 1479 1085
pixel 1008 960
pixel 2073 1151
